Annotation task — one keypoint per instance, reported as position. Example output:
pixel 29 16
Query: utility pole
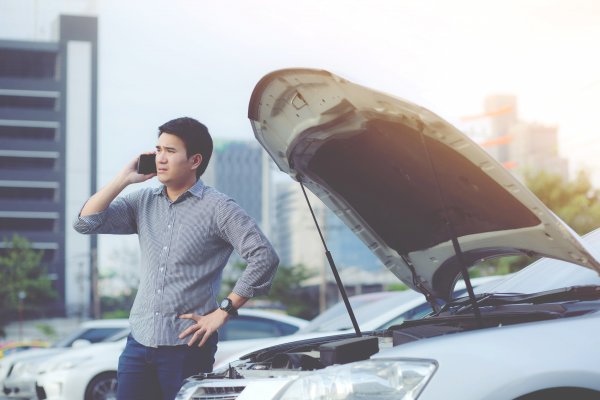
pixel 94 285
pixel 21 295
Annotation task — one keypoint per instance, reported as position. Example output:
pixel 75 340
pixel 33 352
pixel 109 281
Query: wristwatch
pixel 227 306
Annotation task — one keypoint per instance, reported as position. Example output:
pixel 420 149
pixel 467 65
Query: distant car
pixel 430 204
pixel 89 332
pixel 90 373
pixel 17 346
pixel 380 310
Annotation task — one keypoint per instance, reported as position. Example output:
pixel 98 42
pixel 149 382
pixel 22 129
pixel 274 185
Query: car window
pixel 414 313
pixel 365 307
pixel 247 327
pixel 93 335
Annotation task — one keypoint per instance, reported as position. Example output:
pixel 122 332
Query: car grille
pixel 41 393
pixel 219 393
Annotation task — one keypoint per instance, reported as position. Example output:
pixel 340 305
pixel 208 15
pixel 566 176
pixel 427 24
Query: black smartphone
pixel 146 164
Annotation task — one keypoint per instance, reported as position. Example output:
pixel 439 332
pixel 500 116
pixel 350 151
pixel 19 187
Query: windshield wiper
pixel 573 293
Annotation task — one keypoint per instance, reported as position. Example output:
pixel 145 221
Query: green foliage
pixel 22 274
pixel 576 202
pixel 285 289
pixel 47 330
pixel 396 287
pixel 117 307
pixel 115 314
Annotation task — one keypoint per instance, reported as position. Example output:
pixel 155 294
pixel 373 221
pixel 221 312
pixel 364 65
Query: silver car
pixel 430 203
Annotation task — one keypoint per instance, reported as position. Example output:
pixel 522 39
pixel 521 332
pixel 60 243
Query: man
pixel 186 232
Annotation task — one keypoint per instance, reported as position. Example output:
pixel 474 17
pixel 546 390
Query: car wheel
pixel 102 387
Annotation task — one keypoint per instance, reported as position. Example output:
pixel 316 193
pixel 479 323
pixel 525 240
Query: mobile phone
pixel 146 164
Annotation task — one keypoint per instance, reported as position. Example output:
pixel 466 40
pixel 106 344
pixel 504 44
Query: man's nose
pixel 160 157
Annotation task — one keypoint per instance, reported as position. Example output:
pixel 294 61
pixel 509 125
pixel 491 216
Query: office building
pixel 520 146
pixel 297 239
pixel 48 91
pixel 242 170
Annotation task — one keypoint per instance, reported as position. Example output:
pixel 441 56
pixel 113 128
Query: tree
pixel 26 285
pixel 285 289
pixel 576 202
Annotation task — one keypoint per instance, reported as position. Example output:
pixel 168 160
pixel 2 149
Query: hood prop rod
pixel 467 279
pixel 338 281
pixel 452 233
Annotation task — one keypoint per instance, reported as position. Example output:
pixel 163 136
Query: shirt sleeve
pixel 119 218
pixel 242 232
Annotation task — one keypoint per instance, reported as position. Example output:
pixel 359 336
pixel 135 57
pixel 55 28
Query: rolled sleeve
pixel 119 218
pixel 239 229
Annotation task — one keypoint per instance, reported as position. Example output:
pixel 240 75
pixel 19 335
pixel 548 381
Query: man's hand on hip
pixel 204 327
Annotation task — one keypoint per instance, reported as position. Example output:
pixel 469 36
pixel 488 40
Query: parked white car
pixel 90 373
pixel 89 332
pixel 430 203
pixel 380 310
pixel 373 311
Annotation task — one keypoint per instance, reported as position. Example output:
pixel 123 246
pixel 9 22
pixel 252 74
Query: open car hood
pixel 403 179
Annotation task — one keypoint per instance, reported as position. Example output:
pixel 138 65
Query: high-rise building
pixel 534 147
pixel 520 146
pixel 242 170
pixel 298 242
pixel 502 113
pixel 48 91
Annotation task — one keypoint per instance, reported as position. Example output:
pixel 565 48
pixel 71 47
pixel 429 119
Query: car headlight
pixel 63 364
pixel 381 379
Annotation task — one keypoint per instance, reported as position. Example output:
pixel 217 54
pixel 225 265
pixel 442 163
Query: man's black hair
pixel 194 135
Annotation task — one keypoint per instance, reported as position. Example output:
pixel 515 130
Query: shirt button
pixel 164 248
pixel 156 313
pixel 169 226
pixel 158 291
pixel 161 269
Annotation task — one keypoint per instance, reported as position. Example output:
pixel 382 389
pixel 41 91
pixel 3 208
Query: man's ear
pixel 196 160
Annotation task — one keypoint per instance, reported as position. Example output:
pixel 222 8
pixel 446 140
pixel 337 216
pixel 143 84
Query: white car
pixel 90 373
pixel 12 367
pixel 373 311
pixel 380 310
pixel 430 203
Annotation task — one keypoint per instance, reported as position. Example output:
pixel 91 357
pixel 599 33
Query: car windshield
pixel 547 274
pixel 364 307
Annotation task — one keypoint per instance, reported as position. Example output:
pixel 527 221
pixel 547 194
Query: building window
pixel 27 163
pixel 27 224
pixel 27 133
pixel 28 64
pixel 31 102
pixel 24 193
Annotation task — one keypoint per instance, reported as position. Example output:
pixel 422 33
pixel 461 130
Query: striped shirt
pixel 184 245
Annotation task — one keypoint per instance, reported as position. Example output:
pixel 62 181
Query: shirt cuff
pixel 89 223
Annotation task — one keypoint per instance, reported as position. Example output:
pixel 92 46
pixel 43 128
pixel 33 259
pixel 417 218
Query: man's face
pixel 173 167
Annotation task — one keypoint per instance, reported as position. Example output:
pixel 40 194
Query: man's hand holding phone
pixel 140 169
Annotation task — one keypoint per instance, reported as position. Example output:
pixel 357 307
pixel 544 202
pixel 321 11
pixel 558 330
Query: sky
pixel 161 59
pixel 165 59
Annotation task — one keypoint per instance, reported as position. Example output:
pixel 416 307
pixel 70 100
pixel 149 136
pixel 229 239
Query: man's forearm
pixel 236 300
pixel 102 199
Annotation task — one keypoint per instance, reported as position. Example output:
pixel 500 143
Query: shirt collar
pixel 196 190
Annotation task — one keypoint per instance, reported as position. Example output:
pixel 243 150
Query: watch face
pixel 225 303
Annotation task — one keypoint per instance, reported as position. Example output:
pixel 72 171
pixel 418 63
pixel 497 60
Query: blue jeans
pixel 158 372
